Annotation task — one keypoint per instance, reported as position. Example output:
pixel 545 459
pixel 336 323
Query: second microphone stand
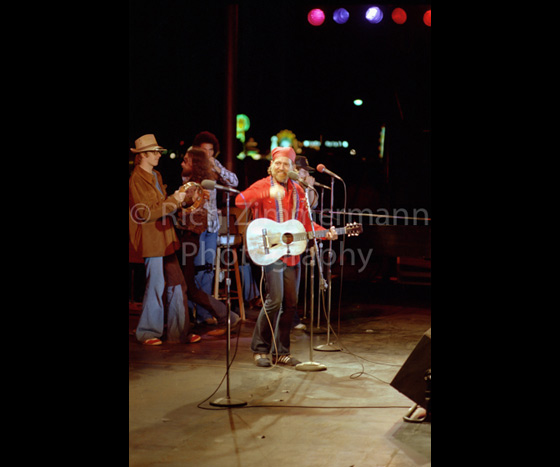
pixel 329 346
pixel 311 365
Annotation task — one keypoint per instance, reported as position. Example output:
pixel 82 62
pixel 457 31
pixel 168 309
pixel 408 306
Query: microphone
pixel 321 168
pixel 321 185
pixel 294 176
pixel 211 185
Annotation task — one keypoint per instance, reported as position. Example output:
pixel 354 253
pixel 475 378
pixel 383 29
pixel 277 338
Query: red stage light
pixel 399 15
pixel 316 17
pixel 428 18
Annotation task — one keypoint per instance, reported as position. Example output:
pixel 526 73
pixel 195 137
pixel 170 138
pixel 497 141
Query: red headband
pixel 284 151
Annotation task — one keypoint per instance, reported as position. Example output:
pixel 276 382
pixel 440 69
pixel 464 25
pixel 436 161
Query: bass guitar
pixel 267 241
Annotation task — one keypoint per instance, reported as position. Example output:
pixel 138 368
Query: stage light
pixel 341 15
pixel 243 124
pixel 428 18
pixel 316 17
pixel 381 146
pixel 374 14
pixel 399 16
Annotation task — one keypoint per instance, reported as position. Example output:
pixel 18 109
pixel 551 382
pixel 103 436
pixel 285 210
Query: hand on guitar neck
pixel 331 234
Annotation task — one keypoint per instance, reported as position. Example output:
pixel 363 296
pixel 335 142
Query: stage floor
pixel 347 415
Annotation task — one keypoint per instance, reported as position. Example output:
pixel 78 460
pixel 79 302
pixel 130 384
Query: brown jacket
pixel 150 224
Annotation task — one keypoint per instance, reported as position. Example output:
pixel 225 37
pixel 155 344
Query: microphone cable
pixel 337 336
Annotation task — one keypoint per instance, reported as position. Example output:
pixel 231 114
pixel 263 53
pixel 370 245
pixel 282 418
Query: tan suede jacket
pixel 150 216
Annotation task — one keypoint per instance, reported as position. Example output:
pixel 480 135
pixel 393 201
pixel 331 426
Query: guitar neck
pixel 323 233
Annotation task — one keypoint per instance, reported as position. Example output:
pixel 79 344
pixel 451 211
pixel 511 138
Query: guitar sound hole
pixel 287 238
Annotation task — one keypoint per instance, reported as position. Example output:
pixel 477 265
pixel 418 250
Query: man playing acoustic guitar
pixel 279 199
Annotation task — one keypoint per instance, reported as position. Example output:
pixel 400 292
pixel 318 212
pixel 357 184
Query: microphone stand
pixel 319 329
pixel 329 346
pixel 312 298
pixel 228 401
pixel 311 365
pixel 305 277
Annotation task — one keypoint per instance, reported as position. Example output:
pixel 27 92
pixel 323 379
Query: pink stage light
pixel 316 17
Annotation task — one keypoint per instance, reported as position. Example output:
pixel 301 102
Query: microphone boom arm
pixel 212 185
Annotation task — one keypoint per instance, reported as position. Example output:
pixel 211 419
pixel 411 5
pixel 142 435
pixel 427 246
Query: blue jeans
pixel 206 254
pixel 282 284
pixel 217 308
pixel 165 288
pixel 250 289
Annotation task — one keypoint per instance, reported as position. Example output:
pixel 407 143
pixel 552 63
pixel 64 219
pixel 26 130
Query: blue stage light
pixel 341 15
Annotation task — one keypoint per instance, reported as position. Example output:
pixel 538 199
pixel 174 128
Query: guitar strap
pixel 279 209
pixel 295 210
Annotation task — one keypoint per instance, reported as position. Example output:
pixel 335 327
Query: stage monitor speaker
pixel 411 378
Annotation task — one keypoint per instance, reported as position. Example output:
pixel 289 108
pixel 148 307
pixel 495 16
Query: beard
pixel 279 175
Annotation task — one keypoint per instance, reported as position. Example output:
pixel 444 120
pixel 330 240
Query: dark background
pixel 177 88
pixel 292 75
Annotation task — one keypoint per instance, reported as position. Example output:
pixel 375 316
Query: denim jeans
pixel 217 308
pixel 204 280
pixel 282 284
pixel 165 288
pixel 250 288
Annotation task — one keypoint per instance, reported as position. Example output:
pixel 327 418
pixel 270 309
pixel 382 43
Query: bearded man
pixel 278 198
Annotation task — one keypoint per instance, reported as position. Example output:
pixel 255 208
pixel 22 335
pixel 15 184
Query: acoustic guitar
pixel 267 240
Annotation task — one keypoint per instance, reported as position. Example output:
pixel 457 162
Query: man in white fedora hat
pixel 152 237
